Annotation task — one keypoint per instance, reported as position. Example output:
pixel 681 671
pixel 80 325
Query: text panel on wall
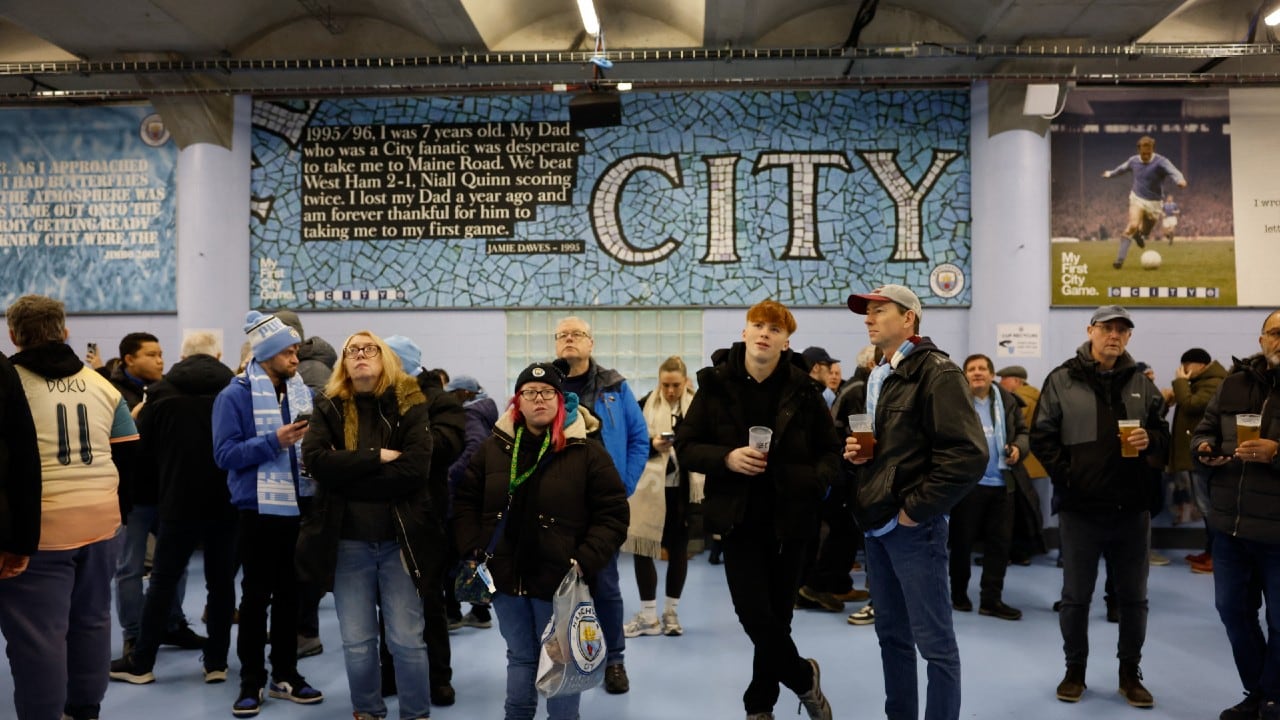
pixel 693 200
pixel 87 208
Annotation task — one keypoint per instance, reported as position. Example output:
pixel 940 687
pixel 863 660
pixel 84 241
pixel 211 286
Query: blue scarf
pixel 277 493
pixel 876 380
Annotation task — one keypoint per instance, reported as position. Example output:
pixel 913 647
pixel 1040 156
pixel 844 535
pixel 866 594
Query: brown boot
pixel 1072 685
pixel 1131 686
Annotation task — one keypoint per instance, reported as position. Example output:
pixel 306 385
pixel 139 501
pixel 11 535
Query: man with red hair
pixel 764 504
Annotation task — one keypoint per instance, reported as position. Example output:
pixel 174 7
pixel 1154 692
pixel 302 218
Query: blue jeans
pixel 1244 572
pixel 367 571
pixel 521 621
pixel 1123 539
pixel 142 521
pixel 56 620
pixel 606 590
pixel 909 582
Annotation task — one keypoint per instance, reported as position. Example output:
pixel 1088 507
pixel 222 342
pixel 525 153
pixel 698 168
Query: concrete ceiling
pixel 73 50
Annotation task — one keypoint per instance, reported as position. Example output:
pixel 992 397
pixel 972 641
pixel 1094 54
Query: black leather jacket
pixel 930 448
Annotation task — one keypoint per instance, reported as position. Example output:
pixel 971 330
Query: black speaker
pixel 595 109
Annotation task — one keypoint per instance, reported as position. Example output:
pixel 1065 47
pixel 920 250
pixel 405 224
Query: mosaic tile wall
pixel 714 165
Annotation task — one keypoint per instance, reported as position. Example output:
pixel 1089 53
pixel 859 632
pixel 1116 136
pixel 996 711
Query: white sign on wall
pixel 1018 340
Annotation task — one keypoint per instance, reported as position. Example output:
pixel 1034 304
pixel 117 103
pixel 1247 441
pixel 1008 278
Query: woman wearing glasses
pixel 373 539
pixel 546 497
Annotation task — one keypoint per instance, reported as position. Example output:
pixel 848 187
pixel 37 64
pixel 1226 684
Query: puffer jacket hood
pixel 53 360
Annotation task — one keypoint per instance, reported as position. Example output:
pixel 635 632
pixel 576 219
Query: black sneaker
pixel 125 670
pixel 1247 709
pixel 1000 610
pixel 296 690
pixel 443 695
pixel 183 637
pixel 615 679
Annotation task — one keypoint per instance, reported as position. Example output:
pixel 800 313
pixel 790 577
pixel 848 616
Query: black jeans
pixel 1123 539
pixel 216 528
pixel 832 558
pixel 986 512
pixel 267 545
pixel 763 574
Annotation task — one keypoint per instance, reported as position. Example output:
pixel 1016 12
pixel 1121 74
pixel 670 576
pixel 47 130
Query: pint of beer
pixel 860 426
pixel 1248 427
pixel 1126 428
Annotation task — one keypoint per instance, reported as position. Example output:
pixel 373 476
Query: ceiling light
pixel 624 87
pixel 1273 18
pixel 589 19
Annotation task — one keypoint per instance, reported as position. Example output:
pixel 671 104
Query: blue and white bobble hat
pixel 268 335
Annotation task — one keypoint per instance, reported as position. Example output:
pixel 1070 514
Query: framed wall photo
pixel 1142 199
pixel 87 208
pixel 698 199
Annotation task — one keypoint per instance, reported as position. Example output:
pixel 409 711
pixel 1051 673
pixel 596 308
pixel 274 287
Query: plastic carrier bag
pixel 573 650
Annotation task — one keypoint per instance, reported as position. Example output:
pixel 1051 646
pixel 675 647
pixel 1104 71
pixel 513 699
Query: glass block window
pixel 633 342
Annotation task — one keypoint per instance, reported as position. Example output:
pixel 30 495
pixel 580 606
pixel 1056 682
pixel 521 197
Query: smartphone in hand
pixel 669 436
pixel 303 417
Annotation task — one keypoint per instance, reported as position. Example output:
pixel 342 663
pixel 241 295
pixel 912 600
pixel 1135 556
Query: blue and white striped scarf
pixel 277 492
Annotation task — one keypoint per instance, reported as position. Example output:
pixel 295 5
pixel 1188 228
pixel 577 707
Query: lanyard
pixel 518 480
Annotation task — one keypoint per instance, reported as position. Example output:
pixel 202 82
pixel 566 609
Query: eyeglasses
pixel 532 395
pixel 355 351
pixel 575 334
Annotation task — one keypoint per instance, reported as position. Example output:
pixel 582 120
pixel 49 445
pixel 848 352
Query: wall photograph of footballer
pixel 1142 199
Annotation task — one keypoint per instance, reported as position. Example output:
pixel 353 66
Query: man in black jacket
pixel 1102 489
pixel 19 476
pixel 765 505
pixel 929 451
pixel 1244 517
pixel 176 425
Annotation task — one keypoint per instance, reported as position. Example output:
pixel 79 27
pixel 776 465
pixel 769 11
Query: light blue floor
pixel 1010 669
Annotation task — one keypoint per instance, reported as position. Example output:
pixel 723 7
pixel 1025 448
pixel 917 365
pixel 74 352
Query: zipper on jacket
pixel 405 547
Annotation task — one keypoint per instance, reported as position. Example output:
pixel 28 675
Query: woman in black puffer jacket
pixel 372 537
pixel 566 504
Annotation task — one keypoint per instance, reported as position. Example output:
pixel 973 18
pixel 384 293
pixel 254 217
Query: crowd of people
pixel 358 472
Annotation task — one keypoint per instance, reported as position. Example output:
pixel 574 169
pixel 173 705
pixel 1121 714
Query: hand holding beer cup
pixel 860 446
pixel 1251 446
pixel 1133 438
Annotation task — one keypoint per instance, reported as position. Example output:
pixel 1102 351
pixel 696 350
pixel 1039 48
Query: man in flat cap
pixel 1028 519
pixel 1100 477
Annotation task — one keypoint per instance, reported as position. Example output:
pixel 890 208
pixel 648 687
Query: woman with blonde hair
pixel 660 504
pixel 372 538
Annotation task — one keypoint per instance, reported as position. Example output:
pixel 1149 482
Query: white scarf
pixel 649 501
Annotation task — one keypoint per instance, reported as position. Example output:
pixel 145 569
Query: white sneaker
pixel 641 625
pixel 671 624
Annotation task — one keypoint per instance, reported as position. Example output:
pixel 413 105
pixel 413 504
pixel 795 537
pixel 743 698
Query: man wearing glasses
pixel 1100 480
pixel 626 437
pixel 1244 515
